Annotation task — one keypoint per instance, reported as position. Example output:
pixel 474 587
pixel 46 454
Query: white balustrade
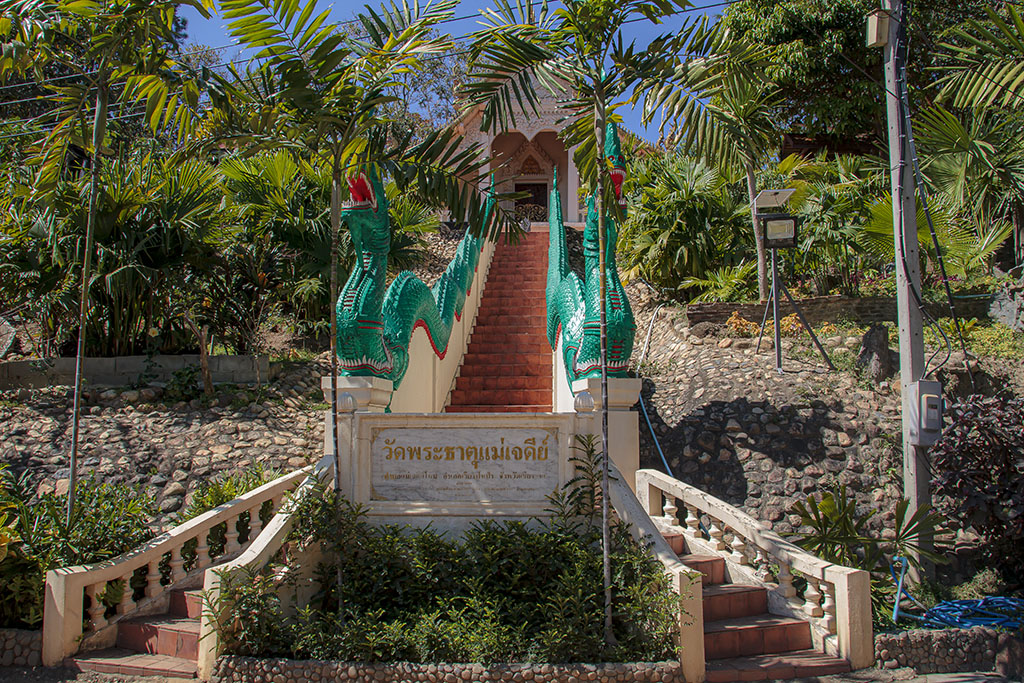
pixel 836 599
pixel 67 589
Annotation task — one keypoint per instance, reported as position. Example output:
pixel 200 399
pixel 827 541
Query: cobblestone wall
pixel 951 650
pixel 246 669
pixel 20 648
pixel 128 370
pixel 831 308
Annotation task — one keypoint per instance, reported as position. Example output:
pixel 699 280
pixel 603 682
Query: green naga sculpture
pixel 574 309
pixel 374 326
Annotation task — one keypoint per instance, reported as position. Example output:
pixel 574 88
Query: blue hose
pixel 994 611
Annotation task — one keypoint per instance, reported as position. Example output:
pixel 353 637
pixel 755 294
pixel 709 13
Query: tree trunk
pixel 599 124
pixel 99 131
pixel 762 259
pixel 202 333
pixel 1018 234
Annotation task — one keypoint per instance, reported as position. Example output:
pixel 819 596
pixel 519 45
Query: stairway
pixel 154 645
pixel 742 641
pixel 507 366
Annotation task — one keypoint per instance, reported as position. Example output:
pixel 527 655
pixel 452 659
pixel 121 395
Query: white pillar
pixel 572 177
pixel 623 425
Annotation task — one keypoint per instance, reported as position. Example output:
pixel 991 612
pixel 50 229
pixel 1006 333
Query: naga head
pixel 366 212
pixel 616 162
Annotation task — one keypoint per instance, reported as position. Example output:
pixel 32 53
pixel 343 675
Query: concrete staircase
pixel 155 645
pixel 742 641
pixel 507 366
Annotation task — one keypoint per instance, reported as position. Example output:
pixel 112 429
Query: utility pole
pixel 908 264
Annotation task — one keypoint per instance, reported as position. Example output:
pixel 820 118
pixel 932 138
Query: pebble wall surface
pixel 950 650
pixel 19 647
pixel 250 670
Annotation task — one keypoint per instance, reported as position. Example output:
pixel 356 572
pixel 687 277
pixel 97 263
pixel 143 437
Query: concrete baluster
pixel 670 510
pixel 692 521
pixel 739 548
pixel 203 550
pixel 231 545
pixel 786 588
pixel 763 561
pixel 127 603
pixel 716 533
pixel 153 587
pixel 96 607
pixel 177 573
pixel 812 599
pixel 829 607
pixel 255 523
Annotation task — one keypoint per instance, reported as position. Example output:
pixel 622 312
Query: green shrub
pixel 107 520
pixel 977 469
pixel 838 533
pixel 504 592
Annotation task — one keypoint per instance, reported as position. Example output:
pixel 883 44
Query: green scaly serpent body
pixel 374 326
pixel 574 309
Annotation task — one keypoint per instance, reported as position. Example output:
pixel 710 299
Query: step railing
pixel 686 582
pixel 836 600
pixel 75 613
pixel 267 546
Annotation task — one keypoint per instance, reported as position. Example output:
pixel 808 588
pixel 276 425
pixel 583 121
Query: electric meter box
pixel 926 425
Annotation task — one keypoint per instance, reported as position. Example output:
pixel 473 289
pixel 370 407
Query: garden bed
pixel 242 669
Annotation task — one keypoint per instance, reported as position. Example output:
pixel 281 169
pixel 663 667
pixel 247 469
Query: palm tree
pixel 578 53
pixel 729 121
pixel 319 91
pixel 105 43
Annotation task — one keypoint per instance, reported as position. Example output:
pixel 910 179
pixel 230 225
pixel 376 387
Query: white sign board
pixel 464 464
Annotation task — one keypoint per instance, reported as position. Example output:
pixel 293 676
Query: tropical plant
pixel 837 532
pixel 106 520
pixel 978 480
pixel 728 283
pixel 684 219
pixel 728 120
pixel 103 43
pixel 985 61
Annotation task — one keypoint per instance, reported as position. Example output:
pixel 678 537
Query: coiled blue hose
pixel 994 611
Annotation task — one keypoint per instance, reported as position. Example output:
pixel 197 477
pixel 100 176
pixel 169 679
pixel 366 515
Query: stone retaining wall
pixel 19 647
pixel 248 669
pixel 951 650
pixel 127 370
pixel 821 309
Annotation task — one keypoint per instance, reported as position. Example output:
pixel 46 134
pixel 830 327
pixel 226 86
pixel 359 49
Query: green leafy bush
pixel 107 520
pixel 839 533
pixel 978 469
pixel 504 592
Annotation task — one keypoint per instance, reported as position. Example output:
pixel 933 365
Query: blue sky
pixel 214 32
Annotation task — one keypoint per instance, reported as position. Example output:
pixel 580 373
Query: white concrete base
pixel 372 394
pixel 623 424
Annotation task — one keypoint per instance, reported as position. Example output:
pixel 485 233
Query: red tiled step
pixel 520 344
pixel 762 634
pixel 489 370
pixel 160 634
pixel 546 408
pixel 186 604
pixel 781 666
pixel 492 336
pixel 512 320
pixel 128 663
pixel 502 383
pixel 501 397
pixel 495 357
pixel 711 566
pixel 732 601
